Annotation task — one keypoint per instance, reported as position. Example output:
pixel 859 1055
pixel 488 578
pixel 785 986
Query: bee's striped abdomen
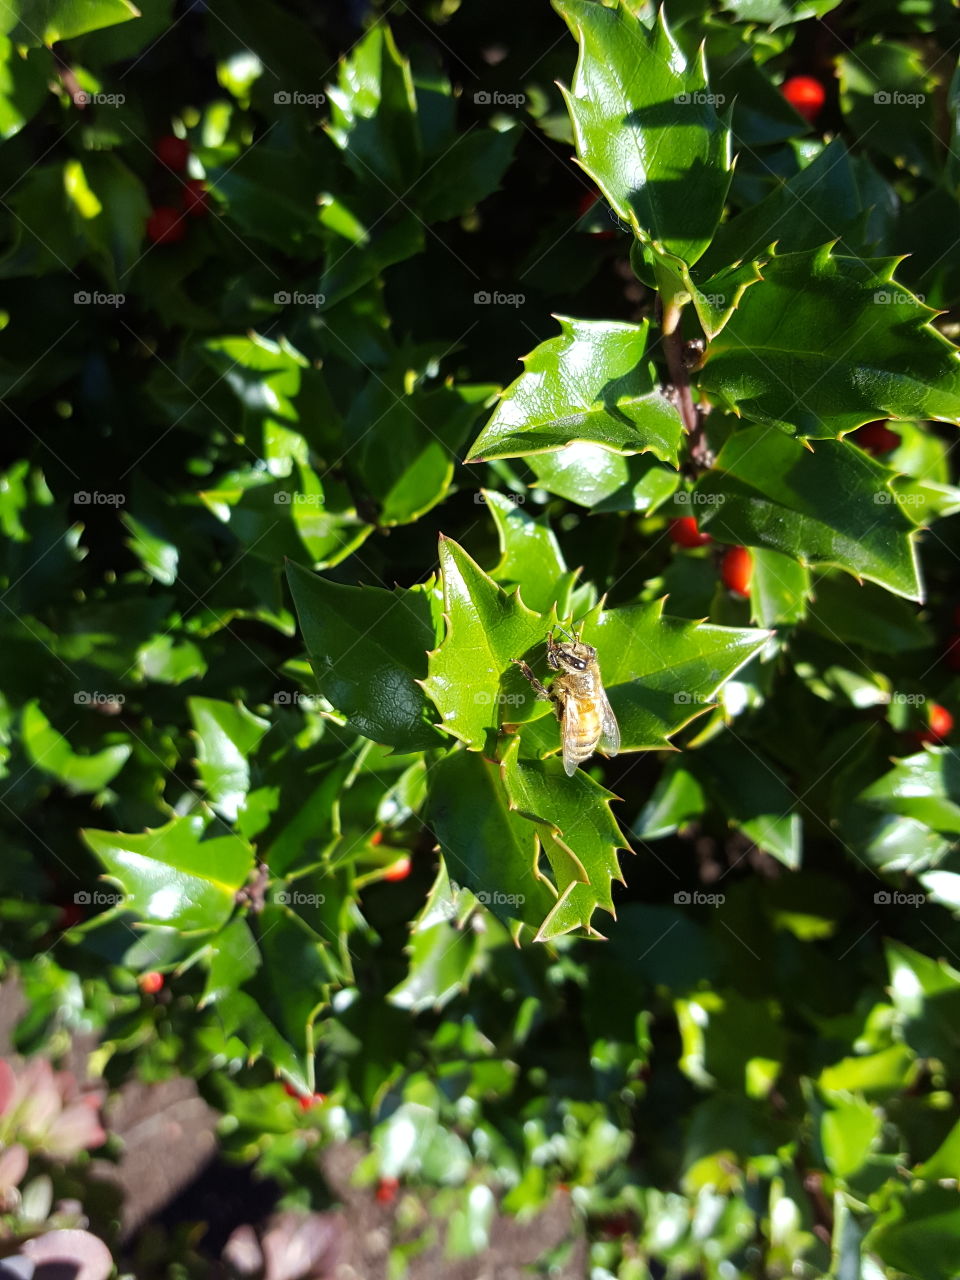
pixel 585 734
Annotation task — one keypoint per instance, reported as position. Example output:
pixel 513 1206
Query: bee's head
pixel 572 655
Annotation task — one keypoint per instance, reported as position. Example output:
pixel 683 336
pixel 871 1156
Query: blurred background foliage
pixel 757 1073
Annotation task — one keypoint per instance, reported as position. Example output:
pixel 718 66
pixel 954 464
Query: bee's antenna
pixel 564 631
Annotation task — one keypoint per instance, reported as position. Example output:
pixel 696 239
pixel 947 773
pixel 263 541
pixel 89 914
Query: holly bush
pixel 280 811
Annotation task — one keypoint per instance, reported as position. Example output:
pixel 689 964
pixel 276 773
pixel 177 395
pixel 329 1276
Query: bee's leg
pixel 539 689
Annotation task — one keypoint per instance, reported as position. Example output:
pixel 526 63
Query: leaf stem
pixel 674 350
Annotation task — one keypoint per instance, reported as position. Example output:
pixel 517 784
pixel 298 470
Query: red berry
pixel 165 225
pixel 398 870
pixel 387 1190
pixel 70 914
pixel 684 532
pixel 151 982
pixel 952 654
pixel 172 151
pixel 306 1100
pixel 876 438
pixel 736 570
pixel 940 721
pixel 376 838
pixel 805 95
pixel 195 201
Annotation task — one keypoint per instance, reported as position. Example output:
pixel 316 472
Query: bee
pixel 586 718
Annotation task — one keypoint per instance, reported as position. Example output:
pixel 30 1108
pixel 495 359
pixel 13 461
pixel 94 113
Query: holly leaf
pixel 924 787
pixel 530 556
pixel 368 649
pixel 578 833
pixel 592 476
pixel 591 384
pixel 35 22
pixel 48 750
pixel 831 504
pixel 646 127
pixel 444 955
pixel 825 344
pixel 471 676
pixel 753 795
pixel 779 587
pixel 486 846
pixel 373 113
pixel 227 735
pixel 171 875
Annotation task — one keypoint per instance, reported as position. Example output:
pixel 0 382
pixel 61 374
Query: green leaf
pixel 467 170
pixel 227 735
pixel 172 876
pixel 530 555
pixel 677 798
pixel 919 1235
pixel 50 751
pixel 825 344
pixel 23 85
pixel 926 995
pixel 231 958
pixel 660 672
pixel 925 787
pixel 579 835
pixel 868 617
pixel 827 505
pixel 646 127
pixel 373 113
pixel 887 97
pixel 779 588
pixel 592 476
pixel 486 846
pixel 811 206
pixel 848 1131
pixel 406 446
pixel 368 648
pixel 777 13
pixel 472 681
pixel 591 385
pixel 444 956
pixel 33 22
pixel 753 795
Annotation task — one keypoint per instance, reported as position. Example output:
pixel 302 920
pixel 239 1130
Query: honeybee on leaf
pixel 586 717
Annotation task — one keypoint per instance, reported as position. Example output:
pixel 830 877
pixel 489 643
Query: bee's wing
pixel 570 732
pixel 609 729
